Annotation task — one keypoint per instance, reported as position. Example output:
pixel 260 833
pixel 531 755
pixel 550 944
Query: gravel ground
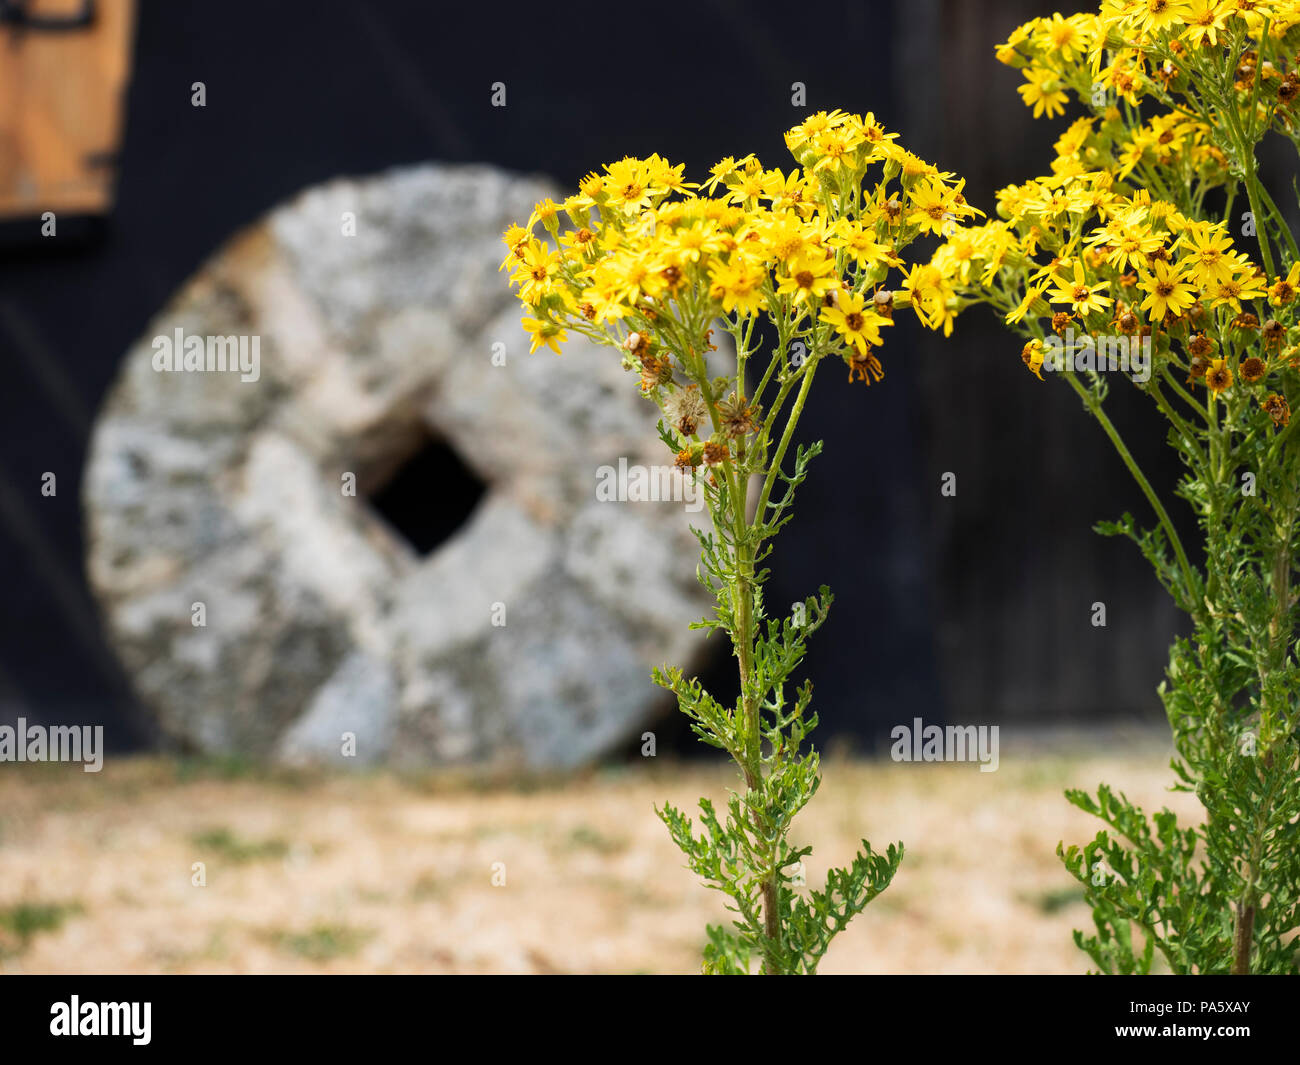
pixel 312 872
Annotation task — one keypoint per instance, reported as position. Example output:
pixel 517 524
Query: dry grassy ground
pixel 372 872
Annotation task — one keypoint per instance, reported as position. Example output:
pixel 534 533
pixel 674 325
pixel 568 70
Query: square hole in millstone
pixel 429 495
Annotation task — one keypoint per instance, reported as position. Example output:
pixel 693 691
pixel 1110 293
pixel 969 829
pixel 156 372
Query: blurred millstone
pixel 321 619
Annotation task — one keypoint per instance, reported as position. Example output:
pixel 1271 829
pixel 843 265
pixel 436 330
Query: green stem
pixel 1168 411
pixel 1261 232
pixel 1091 402
pixel 1283 228
pixel 1182 393
pixel 749 757
pixel 745 622
pixel 1246 151
pixel 810 368
pixel 1243 933
pixel 751 766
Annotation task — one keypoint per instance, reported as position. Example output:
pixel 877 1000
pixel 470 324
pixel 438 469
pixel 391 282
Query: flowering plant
pixel 651 264
pixel 1124 258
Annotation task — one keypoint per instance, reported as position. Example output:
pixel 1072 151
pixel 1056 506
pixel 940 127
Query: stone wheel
pixel 261 609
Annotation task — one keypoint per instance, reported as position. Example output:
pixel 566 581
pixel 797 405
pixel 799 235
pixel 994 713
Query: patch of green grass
pixel 214 767
pixel 513 780
pixel 23 921
pixel 584 836
pixel 427 887
pixel 236 767
pixel 234 849
pixel 1057 899
pixel 1049 772
pixel 322 942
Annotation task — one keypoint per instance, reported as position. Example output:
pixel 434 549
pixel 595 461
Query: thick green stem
pixel 735 526
pixel 1243 935
pixel 751 766
pixel 743 607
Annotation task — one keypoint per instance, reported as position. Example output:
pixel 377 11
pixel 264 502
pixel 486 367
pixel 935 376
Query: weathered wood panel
pixel 61 104
pixel 1016 567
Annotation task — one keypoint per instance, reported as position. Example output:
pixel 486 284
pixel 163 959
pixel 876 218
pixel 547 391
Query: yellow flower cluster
pixel 1233 58
pixel 1120 239
pixel 644 260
